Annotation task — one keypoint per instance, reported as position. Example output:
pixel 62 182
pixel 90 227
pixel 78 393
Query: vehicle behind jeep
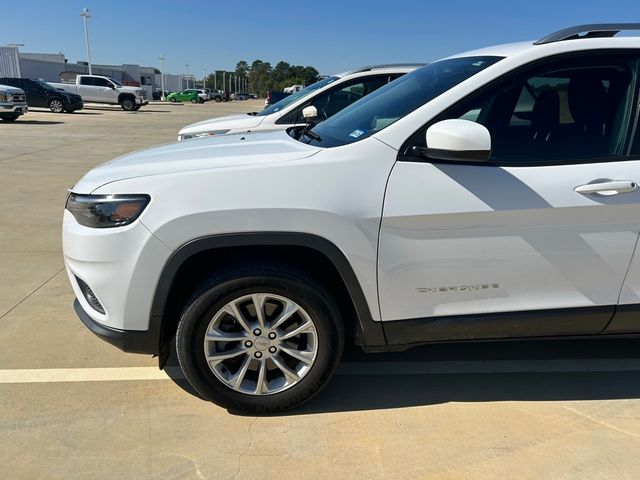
pixel 41 94
pixel 99 89
pixel 13 103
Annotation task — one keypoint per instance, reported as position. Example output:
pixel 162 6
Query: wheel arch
pixel 315 254
pixel 122 96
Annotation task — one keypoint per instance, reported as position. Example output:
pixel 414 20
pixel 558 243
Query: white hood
pixel 243 122
pixel 201 154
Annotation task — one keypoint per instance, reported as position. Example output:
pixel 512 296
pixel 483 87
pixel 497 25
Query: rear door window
pixel 89 81
pixel 102 82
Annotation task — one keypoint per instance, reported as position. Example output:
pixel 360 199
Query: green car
pixel 185 96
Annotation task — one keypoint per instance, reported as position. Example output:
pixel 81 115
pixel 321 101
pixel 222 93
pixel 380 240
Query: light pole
pixel 204 78
pixel 187 65
pixel 162 76
pixel 85 15
pixel 215 80
pixel 224 80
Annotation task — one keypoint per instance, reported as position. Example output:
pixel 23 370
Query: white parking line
pixel 59 375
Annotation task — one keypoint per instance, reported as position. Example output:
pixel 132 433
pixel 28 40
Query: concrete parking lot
pixel 74 407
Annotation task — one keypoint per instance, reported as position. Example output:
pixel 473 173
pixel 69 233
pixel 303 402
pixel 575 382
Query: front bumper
pixel 132 341
pixel 75 104
pixel 121 267
pixel 142 101
pixel 20 109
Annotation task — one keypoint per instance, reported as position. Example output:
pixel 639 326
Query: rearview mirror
pixel 310 112
pixel 458 140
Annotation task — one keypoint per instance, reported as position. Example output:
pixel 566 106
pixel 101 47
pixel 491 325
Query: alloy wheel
pixel 261 344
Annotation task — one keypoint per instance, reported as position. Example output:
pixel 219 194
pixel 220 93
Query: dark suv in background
pixel 41 94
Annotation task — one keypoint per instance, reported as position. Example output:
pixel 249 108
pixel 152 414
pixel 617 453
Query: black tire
pixel 200 100
pixel 10 118
pixel 137 107
pixel 195 100
pixel 173 99
pixel 218 99
pixel 128 104
pixel 56 105
pixel 244 280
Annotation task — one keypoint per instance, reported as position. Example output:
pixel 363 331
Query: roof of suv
pixel 598 35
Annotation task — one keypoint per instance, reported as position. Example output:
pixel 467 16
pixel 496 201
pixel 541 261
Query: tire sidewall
pixel 196 318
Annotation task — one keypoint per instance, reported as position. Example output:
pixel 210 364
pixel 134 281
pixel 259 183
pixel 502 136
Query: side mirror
pixel 310 112
pixel 458 140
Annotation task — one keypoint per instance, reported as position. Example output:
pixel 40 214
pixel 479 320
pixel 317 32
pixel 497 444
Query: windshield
pixel 288 100
pixel 45 85
pixel 395 100
pixel 115 81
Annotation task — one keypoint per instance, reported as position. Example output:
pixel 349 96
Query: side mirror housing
pixel 310 112
pixel 458 140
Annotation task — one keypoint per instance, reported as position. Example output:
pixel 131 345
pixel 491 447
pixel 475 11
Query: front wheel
pixel 218 99
pixel 173 99
pixel 56 105
pixel 260 340
pixel 128 104
pixel 194 100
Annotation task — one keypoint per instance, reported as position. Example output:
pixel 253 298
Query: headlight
pixel 3 97
pixel 191 136
pixel 106 211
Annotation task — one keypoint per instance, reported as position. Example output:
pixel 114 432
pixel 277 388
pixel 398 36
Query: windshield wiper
pixel 253 114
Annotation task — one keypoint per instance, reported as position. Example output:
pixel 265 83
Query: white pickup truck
pixel 99 89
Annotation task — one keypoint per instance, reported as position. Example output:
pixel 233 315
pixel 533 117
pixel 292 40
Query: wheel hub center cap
pixel 261 343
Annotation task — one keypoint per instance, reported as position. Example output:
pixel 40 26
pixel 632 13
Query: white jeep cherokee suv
pixel 489 195
pixel 328 96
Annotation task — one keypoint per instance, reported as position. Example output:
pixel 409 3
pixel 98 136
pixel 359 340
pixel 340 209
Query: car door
pixel 105 91
pixel 36 92
pixel 547 226
pixel 86 89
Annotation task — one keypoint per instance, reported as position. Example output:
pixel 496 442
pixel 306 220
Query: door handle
pixel 610 187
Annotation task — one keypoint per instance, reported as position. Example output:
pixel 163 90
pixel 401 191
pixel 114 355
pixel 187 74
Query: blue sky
pixel 328 34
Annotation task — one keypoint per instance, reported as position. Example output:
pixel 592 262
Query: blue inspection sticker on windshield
pixel 356 133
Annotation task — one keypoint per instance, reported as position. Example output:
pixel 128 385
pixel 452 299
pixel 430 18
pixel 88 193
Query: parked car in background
pixel 242 96
pixel 328 96
pixel 491 195
pixel 13 103
pixel 293 89
pixel 217 95
pixel 41 94
pixel 204 95
pixel 157 95
pixel 189 95
pixel 99 89
pixel 274 96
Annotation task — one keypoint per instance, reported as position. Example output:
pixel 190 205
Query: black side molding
pixel 504 325
pixel 132 341
pixel 369 332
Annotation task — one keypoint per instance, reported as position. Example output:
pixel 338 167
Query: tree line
pixel 262 77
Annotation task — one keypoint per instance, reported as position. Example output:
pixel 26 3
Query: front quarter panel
pixel 336 194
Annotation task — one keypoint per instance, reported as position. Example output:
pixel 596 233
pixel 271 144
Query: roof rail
pixel 594 30
pixel 384 65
